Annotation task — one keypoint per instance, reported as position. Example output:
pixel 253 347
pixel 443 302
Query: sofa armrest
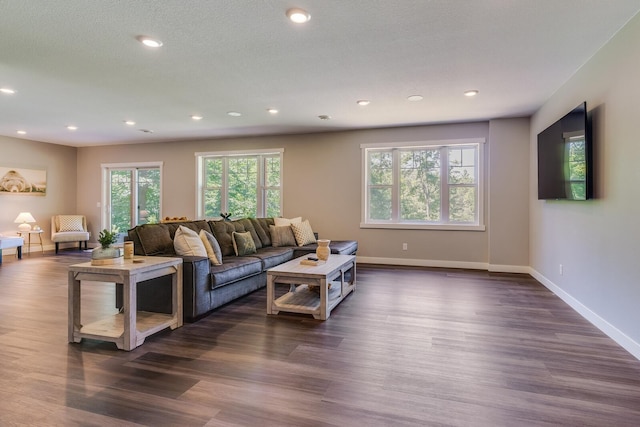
pixel 196 286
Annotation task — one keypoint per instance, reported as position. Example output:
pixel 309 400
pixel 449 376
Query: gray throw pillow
pixel 282 236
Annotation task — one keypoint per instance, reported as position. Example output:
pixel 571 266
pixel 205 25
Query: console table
pixel 129 328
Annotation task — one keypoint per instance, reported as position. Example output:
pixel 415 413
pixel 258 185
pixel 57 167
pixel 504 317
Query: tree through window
pixel 423 184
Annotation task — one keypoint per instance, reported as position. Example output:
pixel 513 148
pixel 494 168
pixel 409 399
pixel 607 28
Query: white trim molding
pixel 607 328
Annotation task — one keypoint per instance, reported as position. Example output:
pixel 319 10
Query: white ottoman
pixel 11 242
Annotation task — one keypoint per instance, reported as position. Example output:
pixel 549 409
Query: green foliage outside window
pixel 238 184
pixel 428 184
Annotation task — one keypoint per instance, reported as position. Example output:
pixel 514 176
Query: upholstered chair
pixel 69 228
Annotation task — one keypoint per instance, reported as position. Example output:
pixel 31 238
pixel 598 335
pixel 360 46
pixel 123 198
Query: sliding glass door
pixel 133 196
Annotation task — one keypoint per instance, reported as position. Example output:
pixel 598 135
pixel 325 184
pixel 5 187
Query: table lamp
pixel 24 219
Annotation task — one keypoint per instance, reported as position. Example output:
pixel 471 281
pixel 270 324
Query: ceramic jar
pixel 323 251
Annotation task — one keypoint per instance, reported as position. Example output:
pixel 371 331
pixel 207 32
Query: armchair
pixel 69 228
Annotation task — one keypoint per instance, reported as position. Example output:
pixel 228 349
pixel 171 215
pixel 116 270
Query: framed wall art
pixel 23 181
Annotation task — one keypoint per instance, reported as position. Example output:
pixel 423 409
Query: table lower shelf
pixel 306 301
pixel 112 328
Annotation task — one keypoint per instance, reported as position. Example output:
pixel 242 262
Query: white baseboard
pixel 445 264
pixel 611 331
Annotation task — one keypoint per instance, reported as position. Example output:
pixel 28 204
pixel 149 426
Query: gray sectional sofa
pixel 207 286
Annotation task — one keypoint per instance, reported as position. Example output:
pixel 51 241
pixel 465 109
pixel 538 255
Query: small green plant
pixel 107 238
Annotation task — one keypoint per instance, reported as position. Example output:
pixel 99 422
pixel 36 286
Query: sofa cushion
pixel 211 246
pixel 303 233
pixel 186 242
pixel 222 231
pixel 243 243
pixel 70 223
pixel 261 226
pixel 282 236
pixel 248 226
pixel 155 239
pixel 279 222
pixel 192 225
pixel 234 269
pixel 341 247
pixel 271 256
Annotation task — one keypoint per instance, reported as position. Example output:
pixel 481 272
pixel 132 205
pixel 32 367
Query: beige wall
pixel 597 241
pixel 60 164
pixel 509 193
pixel 322 182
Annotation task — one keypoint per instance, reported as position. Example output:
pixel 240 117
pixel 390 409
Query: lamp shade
pixel 24 219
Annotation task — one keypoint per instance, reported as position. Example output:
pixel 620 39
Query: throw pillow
pixel 70 223
pixel 282 236
pixel 212 247
pixel 303 233
pixel 187 243
pixel 280 222
pixel 243 243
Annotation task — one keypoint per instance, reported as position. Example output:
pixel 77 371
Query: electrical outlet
pixel 404 246
pixel 561 269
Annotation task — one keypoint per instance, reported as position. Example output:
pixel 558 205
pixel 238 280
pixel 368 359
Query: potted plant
pixel 107 253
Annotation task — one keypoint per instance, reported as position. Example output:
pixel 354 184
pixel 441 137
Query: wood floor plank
pixel 410 347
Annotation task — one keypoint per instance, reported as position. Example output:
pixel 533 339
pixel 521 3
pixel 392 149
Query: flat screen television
pixel 565 165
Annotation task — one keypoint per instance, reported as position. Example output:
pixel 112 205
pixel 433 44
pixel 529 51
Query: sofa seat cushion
pixel 271 256
pixel 69 236
pixel 234 269
pixel 341 247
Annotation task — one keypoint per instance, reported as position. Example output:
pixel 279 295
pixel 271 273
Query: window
pixel 132 195
pixel 435 184
pixel 244 184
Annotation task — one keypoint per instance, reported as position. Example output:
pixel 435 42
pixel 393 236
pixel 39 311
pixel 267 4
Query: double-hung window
pixel 241 183
pixel 434 184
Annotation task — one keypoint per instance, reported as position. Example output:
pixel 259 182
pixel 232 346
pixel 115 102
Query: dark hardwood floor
pixel 411 347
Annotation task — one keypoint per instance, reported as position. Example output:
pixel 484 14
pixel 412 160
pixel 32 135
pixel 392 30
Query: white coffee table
pixel 129 328
pixel 300 299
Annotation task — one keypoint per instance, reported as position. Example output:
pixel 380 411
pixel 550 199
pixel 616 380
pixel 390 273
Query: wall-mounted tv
pixel 565 165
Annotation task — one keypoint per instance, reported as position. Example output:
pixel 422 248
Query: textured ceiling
pixel 77 62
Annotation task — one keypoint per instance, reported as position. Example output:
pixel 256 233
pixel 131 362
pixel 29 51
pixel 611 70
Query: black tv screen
pixel 565 148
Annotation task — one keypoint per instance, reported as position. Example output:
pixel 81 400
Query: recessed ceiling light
pixel 234 114
pixel 414 98
pixel 196 117
pixel 146 130
pixel 324 117
pixel 298 16
pixel 129 122
pixel 272 111
pixel 21 132
pixel 149 42
pixel 71 127
pixel 471 93
pixel 363 102
pixel 7 90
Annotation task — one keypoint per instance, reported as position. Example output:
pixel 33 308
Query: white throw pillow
pixel 280 222
pixel 187 243
pixel 70 223
pixel 303 233
pixel 212 247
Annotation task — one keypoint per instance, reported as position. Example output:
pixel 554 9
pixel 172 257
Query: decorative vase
pixel 106 256
pixel 323 251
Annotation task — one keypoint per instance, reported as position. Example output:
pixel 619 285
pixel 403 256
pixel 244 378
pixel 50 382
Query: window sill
pixel 414 226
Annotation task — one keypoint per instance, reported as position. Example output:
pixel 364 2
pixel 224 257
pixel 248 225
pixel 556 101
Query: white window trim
pixel 105 167
pixel 200 156
pixel 407 225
